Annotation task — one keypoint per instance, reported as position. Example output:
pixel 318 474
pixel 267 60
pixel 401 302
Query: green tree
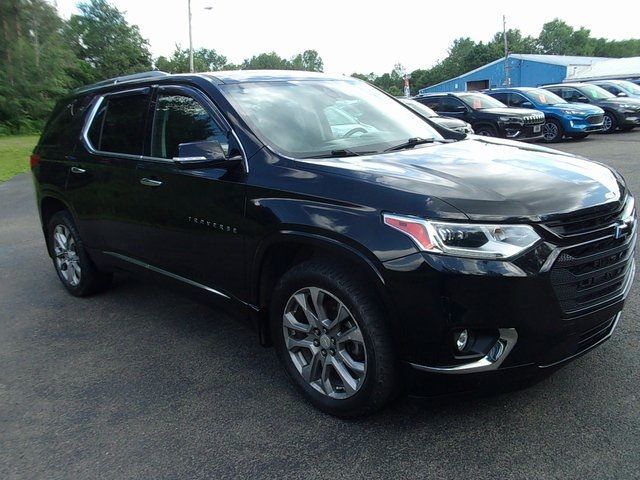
pixel 266 61
pixel 204 60
pixel 308 60
pixel 32 43
pixel 105 44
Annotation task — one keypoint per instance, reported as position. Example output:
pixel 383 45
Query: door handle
pixel 150 182
pixel 77 170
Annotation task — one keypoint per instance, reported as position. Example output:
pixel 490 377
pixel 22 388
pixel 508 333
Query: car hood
pixel 584 109
pixel 514 112
pixel 448 122
pixel 489 179
pixel 620 101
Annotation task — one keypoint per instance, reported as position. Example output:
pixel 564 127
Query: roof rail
pixel 122 79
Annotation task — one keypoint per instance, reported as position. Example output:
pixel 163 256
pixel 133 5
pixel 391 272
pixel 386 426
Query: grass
pixel 14 155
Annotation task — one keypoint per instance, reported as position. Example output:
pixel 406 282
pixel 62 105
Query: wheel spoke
pixel 291 322
pixel 324 377
pixel 341 316
pixel 313 369
pixel 311 317
pixel 353 365
pixel 317 298
pixel 352 335
pixel 349 383
pixel 293 343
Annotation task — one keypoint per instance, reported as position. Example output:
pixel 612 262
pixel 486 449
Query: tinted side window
pixel 123 127
pixel 516 100
pixel 570 94
pixel 503 97
pixel 450 104
pixel 431 102
pixel 63 128
pixel 181 119
pixel 611 89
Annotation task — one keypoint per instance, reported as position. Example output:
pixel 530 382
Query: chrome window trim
pixel 84 135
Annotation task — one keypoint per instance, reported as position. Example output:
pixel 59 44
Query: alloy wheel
pixel 607 123
pixel 550 131
pixel 66 255
pixel 324 342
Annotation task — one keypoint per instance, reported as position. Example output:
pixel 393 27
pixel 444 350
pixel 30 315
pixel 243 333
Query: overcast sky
pixel 353 35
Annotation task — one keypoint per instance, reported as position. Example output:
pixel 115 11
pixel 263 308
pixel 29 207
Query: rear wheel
pixel 330 334
pixel 552 131
pixel 74 267
pixel 486 131
pixel 609 123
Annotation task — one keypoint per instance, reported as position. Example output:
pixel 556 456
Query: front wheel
pixel 609 123
pixel 552 131
pixel 486 131
pixel 330 334
pixel 75 269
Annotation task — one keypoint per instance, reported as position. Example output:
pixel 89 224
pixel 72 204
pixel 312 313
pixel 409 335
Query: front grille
pixel 533 119
pixel 593 273
pixel 594 335
pixel 587 223
pixel 595 119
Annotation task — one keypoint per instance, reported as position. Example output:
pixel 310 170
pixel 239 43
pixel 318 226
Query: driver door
pixel 191 218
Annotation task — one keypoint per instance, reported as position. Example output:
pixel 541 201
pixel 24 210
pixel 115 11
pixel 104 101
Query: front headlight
pixel 510 119
pixel 465 239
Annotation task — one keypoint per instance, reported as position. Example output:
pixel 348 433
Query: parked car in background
pixel 622 113
pixel 446 122
pixel 561 118
pixel 487 116
pixel 620 88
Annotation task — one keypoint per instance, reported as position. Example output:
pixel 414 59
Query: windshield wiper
pixel 412 142
pixel 342 152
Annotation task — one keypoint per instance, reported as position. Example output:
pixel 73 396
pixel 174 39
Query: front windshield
pixel 478 101
pixel 310 118
pixel 628 87
pixel 419 108
pixel 594 92
pixel 544 97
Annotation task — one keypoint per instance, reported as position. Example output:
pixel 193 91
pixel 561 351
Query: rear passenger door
pixel 191 218
pixel 102 170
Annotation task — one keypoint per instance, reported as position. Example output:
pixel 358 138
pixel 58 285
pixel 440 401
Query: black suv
pixel 619 113
pixel 488 117
pixel 373 258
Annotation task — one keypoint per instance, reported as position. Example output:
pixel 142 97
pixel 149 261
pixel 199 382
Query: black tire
pixel 552 131
pixel 485 131
pixel 579 136
pixel 380 381
pixel 610 120
pixel 90 280
pixel 627 128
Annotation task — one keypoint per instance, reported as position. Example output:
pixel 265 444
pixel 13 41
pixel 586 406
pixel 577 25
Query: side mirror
pixel 527 105
pixel 198 153
pixel 622 94
pixel 460 109
pixel 582 99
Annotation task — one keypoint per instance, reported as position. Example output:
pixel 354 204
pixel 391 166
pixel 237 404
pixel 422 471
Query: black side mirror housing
pixel 622 94
pixel 201 153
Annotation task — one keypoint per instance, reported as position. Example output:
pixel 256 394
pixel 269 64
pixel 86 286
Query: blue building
pixel 525 70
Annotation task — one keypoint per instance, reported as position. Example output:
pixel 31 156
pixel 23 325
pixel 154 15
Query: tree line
pixel 556 38
pixel 44 57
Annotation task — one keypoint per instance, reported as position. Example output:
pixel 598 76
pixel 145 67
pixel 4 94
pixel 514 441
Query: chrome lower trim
pixel 599 342
pixel 492 361
pixel 166 273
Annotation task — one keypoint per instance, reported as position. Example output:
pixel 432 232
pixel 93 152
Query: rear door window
pixel 119 124
pixel 503 97
pixel 63 128
pixel 450 104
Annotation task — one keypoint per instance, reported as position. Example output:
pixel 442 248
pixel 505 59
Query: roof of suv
pixel 574 84
pixel 221 77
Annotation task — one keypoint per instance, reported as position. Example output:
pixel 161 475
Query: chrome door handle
pixel 77 170
pixel 150 183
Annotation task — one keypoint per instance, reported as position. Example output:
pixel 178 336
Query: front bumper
pixel 537 329
pixel 631 118
pixel 591 124
pixel 523 133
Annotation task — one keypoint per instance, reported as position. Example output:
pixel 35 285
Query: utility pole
pixel 190 40
pixel 507 80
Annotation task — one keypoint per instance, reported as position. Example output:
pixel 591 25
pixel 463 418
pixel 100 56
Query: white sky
pixel 353 35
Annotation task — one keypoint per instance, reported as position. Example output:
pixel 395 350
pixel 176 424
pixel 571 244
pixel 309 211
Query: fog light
pixel 462 339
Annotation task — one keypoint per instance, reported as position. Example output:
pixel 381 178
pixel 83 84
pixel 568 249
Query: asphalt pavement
pixel 139 382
